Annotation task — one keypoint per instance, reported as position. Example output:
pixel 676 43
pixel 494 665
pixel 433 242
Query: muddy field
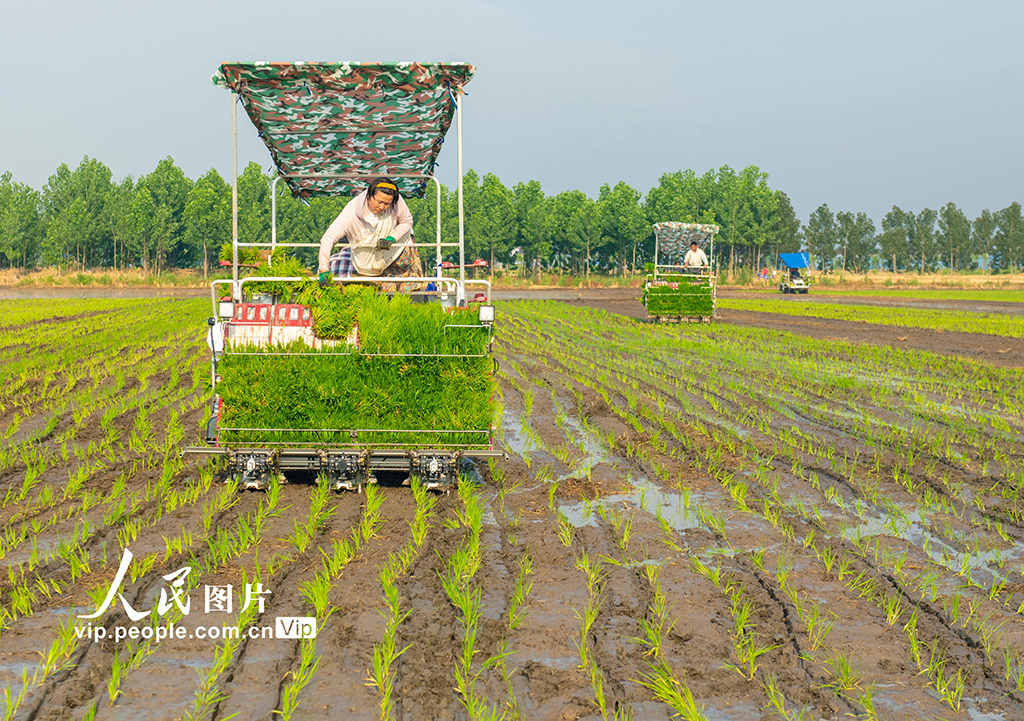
pixel 724 522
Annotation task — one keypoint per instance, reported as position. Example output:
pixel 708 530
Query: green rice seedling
pixel 843 676
pixel 950 689
pixel 864 585
pixel 1014 670
pixel 656 622
pixel 988 631
pixel 114 683
pixel 521 589
pixel 930 583
pixel 818 626
pixel 371 513
pixel 778 700
pixel 748 650
pixel 597 686
pixel 209 693
pixel 757 557
pixel 308 664
pixel 386 653
pixel 410 389
pixel 425 503
pixel 12 702
pixel 893 607
pixel 566 531
pixel 828 558
pixel 594 570
pixel 866 700
pixel 552 495
pixel 587 618
pixel 90 713
pixel 667 689
pixel 910 629
pixel 316 592
pixel 668 535
pixel 58 656
pixel 712 574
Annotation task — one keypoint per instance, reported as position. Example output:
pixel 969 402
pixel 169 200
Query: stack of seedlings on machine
pixel 681 295
pixel 399 382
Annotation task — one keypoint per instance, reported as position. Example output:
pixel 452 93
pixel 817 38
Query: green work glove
pixel 385 243
pixel 325 279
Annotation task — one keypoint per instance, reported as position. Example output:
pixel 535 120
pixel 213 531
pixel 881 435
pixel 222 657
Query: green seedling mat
pixel 691 298
pixel 412 382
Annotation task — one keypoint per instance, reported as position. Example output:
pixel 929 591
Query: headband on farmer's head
pixel 389 186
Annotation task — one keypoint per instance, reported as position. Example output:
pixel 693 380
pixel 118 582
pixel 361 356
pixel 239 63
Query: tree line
pixel 83 218
pixel 923 242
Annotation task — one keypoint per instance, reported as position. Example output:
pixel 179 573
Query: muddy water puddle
pixel 677 509
pixel 913 528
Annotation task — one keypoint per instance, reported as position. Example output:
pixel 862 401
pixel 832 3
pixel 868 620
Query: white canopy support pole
pixel 234 195
pixel 273 214
pixel 655 255
pixel 462 217
pixel 437 236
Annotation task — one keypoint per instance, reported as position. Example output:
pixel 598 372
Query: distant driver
pixel 694 258
pixel 377 225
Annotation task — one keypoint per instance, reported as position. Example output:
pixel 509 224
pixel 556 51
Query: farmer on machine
pixel 378 227
pixel 694 258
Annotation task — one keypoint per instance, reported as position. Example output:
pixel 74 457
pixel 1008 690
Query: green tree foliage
pixel 895 240
pixel 821 235
pixel 745 211
pixel 73 203
pixel 1009 238
pixel 20 224
pixel 254 205
pixel 982 230
pixel 82 218
pixel 782 229
pixel 141 228
pixel 623 222
pixel 954 236
pixel 207 216
pixel 530 210
pixel 924 237
pixel 117 218
pixel 494 226
pixel 856 240
pixel 169 188
pixel 683 197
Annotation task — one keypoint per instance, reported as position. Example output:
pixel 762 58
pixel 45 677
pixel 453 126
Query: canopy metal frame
pixel 456 95
pixel 676 269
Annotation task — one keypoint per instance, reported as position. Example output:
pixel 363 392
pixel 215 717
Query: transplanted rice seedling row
pixel 834 448
pixel 994 324
pixel 1006 296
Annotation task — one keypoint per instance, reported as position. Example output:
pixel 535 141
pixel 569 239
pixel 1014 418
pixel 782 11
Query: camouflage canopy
pixel 674 238
pixel 345 118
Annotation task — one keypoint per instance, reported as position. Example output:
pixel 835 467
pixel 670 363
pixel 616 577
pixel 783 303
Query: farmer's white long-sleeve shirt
pixel 356 222
pixel 695 258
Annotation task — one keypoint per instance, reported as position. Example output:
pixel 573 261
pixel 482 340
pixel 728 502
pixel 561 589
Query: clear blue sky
pixel 861 106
